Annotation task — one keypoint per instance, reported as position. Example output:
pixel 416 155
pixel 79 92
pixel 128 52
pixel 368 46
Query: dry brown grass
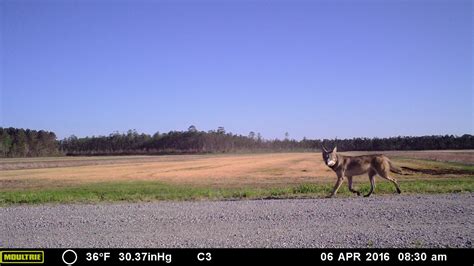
pixel 241 170
pixel 458 156
pixel 214 170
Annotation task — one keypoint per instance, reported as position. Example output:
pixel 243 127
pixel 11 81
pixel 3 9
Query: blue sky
pixel 320 69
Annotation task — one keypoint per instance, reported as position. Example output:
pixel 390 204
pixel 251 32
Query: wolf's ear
pixel 324 148
pixel 335 149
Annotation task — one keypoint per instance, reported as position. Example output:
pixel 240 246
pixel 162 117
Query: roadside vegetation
pixel 153 190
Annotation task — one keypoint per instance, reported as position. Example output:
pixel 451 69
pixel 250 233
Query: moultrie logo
pixel 21 256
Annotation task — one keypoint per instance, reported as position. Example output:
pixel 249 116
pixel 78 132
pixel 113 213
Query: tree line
pixel 18 142
pixel 29 143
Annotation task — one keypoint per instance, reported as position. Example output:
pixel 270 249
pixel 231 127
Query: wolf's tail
pixel 395 169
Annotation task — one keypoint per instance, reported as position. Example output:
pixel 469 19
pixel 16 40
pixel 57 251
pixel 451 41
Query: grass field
pixel 231 176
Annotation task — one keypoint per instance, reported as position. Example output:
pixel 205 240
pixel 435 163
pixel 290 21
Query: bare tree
pixel 221 130
pixel 252 135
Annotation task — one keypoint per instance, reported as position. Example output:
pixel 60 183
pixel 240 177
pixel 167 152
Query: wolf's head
pixel 329 157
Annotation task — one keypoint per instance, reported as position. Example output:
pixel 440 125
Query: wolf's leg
pixel 372 184
pixel 351 189
pixel 393 180
pixel 336 187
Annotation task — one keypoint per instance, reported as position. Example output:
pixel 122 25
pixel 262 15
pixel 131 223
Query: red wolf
pixel 349 166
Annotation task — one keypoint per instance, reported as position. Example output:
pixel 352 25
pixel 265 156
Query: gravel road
pixel 380 221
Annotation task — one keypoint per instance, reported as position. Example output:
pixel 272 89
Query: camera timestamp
pixel 356 256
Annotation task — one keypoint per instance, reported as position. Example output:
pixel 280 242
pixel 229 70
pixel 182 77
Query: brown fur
pixel 349 166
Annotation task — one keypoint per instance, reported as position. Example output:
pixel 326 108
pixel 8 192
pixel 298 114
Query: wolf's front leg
pixel 336 187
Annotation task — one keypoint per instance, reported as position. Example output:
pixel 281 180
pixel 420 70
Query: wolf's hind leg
pixel 372 184
pixel 351 188
pixel 393 180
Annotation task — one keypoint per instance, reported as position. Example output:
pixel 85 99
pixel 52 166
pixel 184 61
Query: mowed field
pixel 224 176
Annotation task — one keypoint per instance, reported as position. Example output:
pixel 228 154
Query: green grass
pixel 152 191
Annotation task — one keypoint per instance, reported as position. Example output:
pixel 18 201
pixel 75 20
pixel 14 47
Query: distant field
pixel 459 156
pixel 281 175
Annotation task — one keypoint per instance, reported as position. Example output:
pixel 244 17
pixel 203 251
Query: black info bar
pixel 233 256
